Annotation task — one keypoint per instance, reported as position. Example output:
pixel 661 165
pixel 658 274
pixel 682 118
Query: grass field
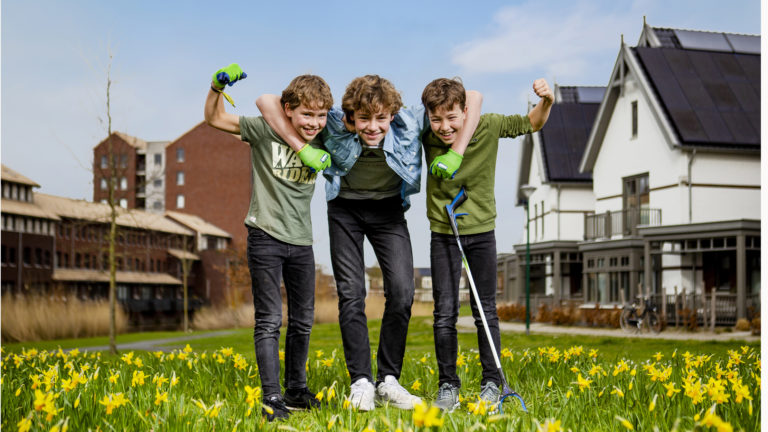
pixel 577 383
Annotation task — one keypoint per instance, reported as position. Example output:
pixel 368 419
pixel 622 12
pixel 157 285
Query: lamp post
pixel 527 190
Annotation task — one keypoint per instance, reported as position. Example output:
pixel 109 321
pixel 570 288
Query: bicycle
pixel 635 318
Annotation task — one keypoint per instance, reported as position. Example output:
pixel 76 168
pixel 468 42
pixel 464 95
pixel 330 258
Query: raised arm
pixel 446 165
pixel 272 111
pixel 215 114
pixel 474 106
pixel 540 113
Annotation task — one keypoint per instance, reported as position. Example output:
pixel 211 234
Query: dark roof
pixel 564 137
pixel 708 84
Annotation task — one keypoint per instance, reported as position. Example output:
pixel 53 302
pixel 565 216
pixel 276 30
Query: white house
pixel 674 155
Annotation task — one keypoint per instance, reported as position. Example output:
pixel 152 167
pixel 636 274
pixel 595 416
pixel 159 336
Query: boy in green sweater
pixel 444 100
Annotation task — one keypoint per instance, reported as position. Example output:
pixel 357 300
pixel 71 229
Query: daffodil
pixel 478 408
pixel 671 390
pixel 416 385
pixel 24 424
pixel 582 382
pixel 550 425
pixel 160 398
pixel 624 422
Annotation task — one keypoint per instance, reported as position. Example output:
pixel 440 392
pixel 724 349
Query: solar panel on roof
pixel 703 41
pixel 591 94
pixel 744 43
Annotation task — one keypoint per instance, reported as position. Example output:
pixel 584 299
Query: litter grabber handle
pixel 458 200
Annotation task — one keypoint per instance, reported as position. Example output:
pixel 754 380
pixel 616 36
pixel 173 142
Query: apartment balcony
pixel 619 223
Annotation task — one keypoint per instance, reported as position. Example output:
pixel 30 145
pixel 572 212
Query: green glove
pixel 314 158
pixel 445 166
pixel 228 75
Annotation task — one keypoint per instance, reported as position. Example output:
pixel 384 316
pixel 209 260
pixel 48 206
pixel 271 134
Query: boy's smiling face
pixel 371 127
pixel 447 122
pixel 307 121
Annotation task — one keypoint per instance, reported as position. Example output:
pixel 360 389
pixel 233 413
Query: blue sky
pixel 55 56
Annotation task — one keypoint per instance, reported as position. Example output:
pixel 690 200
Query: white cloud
pixel 564 41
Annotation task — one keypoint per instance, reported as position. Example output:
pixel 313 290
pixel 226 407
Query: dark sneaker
pixel 273 408
pixel 447 397
pixel 300 399
pixel 490 394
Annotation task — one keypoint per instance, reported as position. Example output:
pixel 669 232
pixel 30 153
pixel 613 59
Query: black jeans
pixel 445 258
pixel 268 260
pixel 383 222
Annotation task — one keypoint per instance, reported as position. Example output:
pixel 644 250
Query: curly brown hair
pixel 370 93
pixel 311 90
pixel 444 93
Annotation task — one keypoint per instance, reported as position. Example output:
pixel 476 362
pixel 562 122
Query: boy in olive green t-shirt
pixel 280 229
pixel 444 101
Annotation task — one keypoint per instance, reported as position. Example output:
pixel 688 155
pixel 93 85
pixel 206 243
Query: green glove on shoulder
pixel 228 75
pixel 314 158
pixel 445 166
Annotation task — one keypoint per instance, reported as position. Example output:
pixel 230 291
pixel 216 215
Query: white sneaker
pixel 361 394
pixel 391 392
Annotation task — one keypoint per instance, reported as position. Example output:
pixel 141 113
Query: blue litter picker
pixel 452 215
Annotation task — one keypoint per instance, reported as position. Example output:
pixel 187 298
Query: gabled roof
pixel 98 212
pixel 703 88
pixel 198 224
pixel 13 176
pixel 137 143
pixel 563 138
pixel 565 134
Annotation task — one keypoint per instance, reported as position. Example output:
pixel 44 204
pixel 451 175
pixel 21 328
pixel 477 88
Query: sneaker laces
pixel 445 391
pixel 490 391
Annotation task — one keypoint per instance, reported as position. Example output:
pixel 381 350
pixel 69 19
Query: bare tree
pixel 112 236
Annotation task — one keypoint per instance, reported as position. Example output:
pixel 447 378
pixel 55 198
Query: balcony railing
pixel 623 222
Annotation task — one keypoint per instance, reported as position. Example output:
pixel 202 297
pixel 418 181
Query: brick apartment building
pixel 205 172
pixel 208 174
pixel 58 246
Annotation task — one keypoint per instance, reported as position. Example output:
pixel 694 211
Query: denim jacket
pixel 402 150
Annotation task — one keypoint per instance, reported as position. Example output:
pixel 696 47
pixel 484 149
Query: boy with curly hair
pixel 376 166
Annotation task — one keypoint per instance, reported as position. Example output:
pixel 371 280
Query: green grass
pixel 327 337
pixel 544 369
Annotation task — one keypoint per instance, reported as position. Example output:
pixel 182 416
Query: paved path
pixel 467 324
pixel 158 344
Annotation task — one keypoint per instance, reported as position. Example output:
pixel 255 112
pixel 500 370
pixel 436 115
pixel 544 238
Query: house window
pixel 123 161
pixel 158 158
pixel 123 183
pixel 158 183
pixel 180 178
pixel 103 184
pixel 6 190
pixel 157 205
pixel 179 155
pixel 123 203
pixel 104 162
pixel 634 119
pixel 180 201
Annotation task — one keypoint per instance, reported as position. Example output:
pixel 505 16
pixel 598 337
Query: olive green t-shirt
pixel 282 185
pixel 477 174
pixel 370 177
